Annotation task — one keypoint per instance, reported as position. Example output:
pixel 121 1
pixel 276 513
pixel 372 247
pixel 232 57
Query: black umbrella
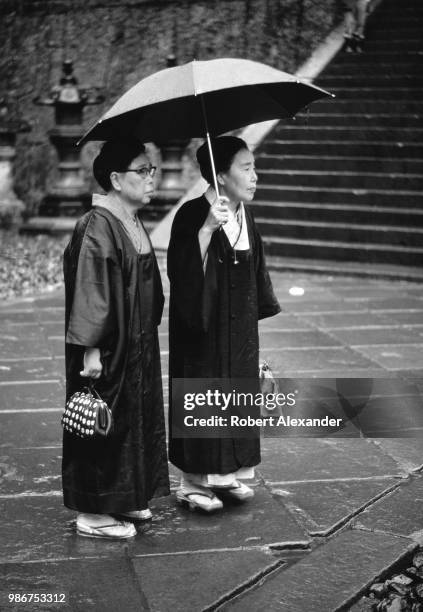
pixel 204 98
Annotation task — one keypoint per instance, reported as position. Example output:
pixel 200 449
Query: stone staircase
pixel 344 181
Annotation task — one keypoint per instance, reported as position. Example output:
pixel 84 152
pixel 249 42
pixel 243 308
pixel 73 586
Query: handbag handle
pixel 92 389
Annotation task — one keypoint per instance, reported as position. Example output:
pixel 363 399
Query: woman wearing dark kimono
pixel 114 303
pixel 219 289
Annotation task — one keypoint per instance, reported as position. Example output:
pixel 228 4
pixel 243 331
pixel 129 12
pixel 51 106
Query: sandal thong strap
pixel 84 525
pixel 210 495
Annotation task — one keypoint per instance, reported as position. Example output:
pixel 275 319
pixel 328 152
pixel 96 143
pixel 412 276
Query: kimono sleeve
pixel 92 320
pixel 185 269
pixel 267 303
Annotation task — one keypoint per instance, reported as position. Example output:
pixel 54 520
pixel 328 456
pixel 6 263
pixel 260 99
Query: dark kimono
pixel 213 326
pixel 114 301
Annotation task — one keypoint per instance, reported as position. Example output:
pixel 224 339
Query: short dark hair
pixel 224 150
pixel 115 156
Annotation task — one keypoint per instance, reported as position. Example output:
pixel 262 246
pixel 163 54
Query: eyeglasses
pixel 143 172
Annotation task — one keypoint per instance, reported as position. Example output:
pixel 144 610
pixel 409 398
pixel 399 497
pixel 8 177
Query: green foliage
pixel 29 264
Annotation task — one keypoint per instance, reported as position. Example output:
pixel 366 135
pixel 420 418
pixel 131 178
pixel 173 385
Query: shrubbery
pixel 29 264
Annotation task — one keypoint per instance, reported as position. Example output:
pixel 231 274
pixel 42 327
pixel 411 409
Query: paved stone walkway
pixel 328 516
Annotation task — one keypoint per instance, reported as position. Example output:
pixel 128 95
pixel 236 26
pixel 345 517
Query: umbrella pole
pixel 216 188
pixel 203 108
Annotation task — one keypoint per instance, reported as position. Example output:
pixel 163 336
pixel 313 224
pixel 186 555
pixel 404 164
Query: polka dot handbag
pixel 87 416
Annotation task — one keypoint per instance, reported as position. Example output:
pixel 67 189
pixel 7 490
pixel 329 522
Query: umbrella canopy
pixel 230 93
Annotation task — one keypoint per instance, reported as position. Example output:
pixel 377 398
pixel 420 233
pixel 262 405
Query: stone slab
pixel 329 576
pixel 400 512
pixel 35 396
pixel 395 357
pixel 41 528
pixel 414 375
pixel 54 328
pixel 56 346
pixel 30 471
pixel 320 507
pixel 32 369
pixel 282 283
pixel 404 318
pixel 295 339
pixel 336 320
pixel 282 322
pixel 52 314
pixel 392 417
pixel 194 582
pixel 332 358
pixel 396 303
pixel 285 460
pixel 14 316
pixel 341 372
pixel 415 290
pixel 30 429
pixel 55 300
pixel 333 305
pixel 310 296
pixel 22 341
pixel 92 584
pixel 407 453
pixel 358 292
pixel 371 336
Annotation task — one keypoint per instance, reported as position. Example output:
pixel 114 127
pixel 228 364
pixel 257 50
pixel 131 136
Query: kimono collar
pixel 131 225
pixel 235 230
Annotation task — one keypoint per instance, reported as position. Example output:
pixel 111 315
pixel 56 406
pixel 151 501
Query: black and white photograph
pixel 211 305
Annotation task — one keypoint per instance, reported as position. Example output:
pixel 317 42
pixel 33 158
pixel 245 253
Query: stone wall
pixel 115 43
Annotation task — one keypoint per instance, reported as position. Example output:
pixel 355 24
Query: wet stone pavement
pixel 329 514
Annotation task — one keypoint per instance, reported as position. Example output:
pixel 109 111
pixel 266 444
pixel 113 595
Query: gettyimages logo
pixel 347 407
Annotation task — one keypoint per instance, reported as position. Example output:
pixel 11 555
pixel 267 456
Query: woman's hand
pixel 92 363
pixel 218 215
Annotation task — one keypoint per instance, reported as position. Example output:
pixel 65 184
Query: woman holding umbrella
pixel 114 303
pixel 219 289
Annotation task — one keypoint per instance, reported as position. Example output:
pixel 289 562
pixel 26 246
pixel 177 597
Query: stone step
pixel 344 232
pixel 343 213
pixel 350 133
pixel 377 93
pixel 342 268
pixel 381 79
pixel 338 250
pixel 360 68
pixel 345 149
pixel 368 120
pixel 352 164
pixel 386 56
pixel 362 197
pixel 388 7
pixel 386 34
pixel 406 5
pixel 392 44
pixel 387 20
pixel 344 179
pixel 362 105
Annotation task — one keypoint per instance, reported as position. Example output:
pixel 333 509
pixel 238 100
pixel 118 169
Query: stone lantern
pixel 68 198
